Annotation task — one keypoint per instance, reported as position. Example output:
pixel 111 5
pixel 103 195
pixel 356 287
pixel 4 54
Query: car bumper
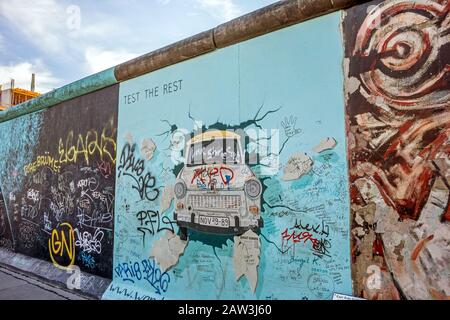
pixel 236 228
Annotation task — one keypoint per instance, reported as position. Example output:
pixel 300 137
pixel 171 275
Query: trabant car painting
pixel 216 192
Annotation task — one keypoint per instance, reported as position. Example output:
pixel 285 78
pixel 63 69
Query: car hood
pixel 216 177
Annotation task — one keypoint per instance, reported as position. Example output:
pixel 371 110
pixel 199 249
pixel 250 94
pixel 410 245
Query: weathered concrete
pixel 265 20
pixel 274 17
pixel 75 89
pixel 174 53
pixel 19 286
pixel 90 285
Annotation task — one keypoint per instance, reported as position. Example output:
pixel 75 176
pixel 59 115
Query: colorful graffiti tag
pixel 60 194
pixel 5 227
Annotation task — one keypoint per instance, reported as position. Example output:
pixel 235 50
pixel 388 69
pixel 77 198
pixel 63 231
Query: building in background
pixel 11 96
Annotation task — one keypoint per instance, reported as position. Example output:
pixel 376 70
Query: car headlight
pixel 180 189
pixel 252 188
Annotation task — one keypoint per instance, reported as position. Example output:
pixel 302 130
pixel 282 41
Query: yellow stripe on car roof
pixel 213 134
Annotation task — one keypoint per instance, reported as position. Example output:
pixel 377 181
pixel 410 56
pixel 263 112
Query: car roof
pixel 213 134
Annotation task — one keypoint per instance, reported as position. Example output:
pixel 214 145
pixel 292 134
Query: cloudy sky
pixel 65 40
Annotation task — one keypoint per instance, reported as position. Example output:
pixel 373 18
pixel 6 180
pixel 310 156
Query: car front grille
pixel 214 201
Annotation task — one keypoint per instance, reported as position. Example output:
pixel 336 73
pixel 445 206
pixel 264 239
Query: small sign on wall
pixel 338 296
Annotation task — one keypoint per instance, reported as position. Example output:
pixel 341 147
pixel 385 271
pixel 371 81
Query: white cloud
pixel 42 22
pixel 47 25
pixel 43 29
pixel 2 44
pixel 222 10
pixel 53 26
pixel 98 59
pixel 21 73
pixel 95 31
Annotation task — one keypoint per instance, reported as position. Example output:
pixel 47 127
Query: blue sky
pixel 62 40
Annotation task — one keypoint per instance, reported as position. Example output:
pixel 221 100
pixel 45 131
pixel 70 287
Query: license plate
pixel 214 221
pixel 184 218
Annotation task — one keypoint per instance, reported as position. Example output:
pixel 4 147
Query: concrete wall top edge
pixel 268 19
pixel 182 50
pixel 262 21
pixel 72 90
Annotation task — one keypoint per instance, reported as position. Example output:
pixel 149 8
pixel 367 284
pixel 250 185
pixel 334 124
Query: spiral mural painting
pixel 397 72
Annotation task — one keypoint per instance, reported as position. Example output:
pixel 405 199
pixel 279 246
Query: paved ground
pixel 20 286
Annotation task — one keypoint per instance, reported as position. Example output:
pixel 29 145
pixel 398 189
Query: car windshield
pixel 214 151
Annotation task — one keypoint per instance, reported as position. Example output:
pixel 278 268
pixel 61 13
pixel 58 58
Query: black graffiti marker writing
pixel 134 168
pixel 152 222
pixel 321 229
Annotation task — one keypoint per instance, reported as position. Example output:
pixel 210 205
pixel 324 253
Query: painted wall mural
pixel 397 95
pixel 288 166
pixel 5 228
pixel 58 179
pixel 232 178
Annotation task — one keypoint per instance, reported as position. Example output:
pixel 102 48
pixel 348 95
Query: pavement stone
pixel 20 286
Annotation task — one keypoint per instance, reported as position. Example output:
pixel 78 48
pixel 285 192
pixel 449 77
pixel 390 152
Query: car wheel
pixel 183 233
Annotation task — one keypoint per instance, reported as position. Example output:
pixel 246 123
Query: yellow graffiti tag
pixel 60 245
pixel 85 146
pixel 42 161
